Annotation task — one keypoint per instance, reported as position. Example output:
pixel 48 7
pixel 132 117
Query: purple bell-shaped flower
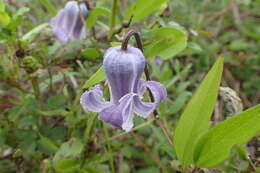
pixel 123 68
pixel 68 24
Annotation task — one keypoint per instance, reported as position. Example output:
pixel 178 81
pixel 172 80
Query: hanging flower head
pixel 68 25
pixel 123 68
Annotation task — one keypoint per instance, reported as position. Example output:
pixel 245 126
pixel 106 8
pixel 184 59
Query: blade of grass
pixel 48 5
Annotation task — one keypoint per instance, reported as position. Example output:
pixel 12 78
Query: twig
pixel 251 164
pixel 125 24
pixel 146 71
pixel 196 169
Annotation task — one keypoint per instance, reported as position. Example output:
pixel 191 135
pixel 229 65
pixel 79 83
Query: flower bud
pixel 30 64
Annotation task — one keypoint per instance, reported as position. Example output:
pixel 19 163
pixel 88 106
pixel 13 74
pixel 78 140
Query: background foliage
pixel 43 127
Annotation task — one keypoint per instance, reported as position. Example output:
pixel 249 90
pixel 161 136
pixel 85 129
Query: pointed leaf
pixel 67 165
pixel 31 35
pixel 142 8
pixel 195 119
pixel 70 149
pixel 214 146
pixel 94 14
pixel 49 144
pixel 166 42
pixel 47 4
pixel 99 76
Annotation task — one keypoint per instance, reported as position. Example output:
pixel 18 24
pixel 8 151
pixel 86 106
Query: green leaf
pixel 72 148
pixel 92 170
pixel 60 112
pixel 47 4
pixel 16 112
pixel 2 6
pixel 195 119
pixel 99 76
pixel 214 146
pixel 18 18
pixel 179 102
pixel 67 165
pixel 143 8
pixel 27 140
pixel 194 46
pixel 4 19
pixel 93 15
pixel 98 158
pixel 56 102
pixel 166 42
pixel 49 144
pixel 91 53
pixel 31 35
pixel 148 170
pixel 242 152
pixel 21 12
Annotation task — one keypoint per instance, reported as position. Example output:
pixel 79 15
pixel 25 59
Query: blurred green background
pixel 42 123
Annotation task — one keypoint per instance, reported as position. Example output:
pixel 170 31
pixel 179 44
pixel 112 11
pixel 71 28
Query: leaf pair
pixel 194 142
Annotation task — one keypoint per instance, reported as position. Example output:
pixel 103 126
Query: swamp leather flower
pixel 123 68
pixel 68 24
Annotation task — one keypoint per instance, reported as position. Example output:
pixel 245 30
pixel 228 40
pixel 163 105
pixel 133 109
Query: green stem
pixel 113 18
pixel 111 161
pixel 51 80
pixel 87 134
pixel 36 88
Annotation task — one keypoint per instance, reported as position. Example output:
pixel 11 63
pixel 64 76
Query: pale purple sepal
pixel 121 114
pixel 67 25
pixel 123 70
pixel 93 100
pixel 159 93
